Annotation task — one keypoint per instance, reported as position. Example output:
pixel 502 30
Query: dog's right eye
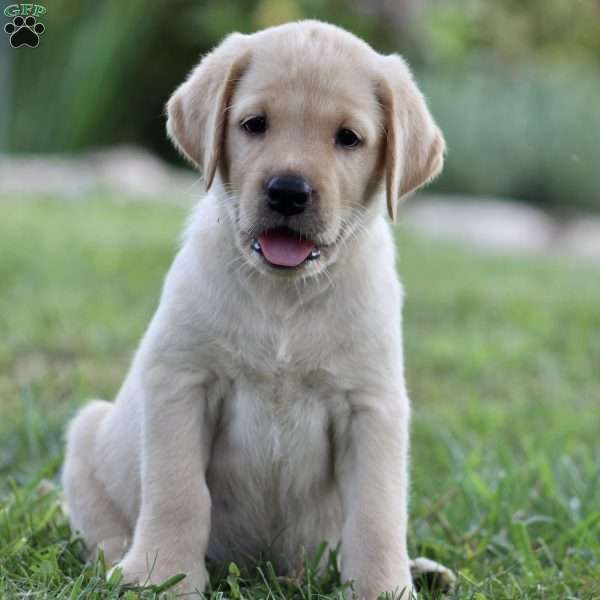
pixel 254 125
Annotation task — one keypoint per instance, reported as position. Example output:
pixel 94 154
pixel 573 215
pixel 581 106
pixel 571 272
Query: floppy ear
pixel 414 143
pixel 197 111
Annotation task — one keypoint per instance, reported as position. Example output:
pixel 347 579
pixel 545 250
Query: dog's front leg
pixel 373 482
pixel 172 531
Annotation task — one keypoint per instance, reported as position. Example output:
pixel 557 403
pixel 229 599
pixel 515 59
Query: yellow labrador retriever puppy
pixel 266 410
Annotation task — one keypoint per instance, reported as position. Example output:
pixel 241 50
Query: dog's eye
pixel 346 138
pixel 254 125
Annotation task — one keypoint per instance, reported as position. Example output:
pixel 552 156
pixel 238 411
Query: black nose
pixel 288 194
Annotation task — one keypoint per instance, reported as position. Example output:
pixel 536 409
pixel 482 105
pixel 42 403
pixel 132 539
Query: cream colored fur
pixel 265 412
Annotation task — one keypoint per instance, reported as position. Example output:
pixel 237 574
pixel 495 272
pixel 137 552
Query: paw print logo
pixel 24 32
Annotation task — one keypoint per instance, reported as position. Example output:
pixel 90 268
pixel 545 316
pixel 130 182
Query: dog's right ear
pixel 197 111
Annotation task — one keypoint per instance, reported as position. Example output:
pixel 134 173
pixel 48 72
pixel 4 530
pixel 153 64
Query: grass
pixel 503 367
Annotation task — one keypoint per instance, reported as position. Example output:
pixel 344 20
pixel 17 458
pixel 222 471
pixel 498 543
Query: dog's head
pixel 303 127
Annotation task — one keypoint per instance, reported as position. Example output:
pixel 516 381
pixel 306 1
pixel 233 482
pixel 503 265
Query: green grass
pixel 503 366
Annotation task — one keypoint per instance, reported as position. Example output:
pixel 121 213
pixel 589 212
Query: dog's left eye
pixel 346 138
pixel 254 125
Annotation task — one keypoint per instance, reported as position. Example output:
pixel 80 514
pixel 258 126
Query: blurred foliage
pixel 513 83
pixel 515 86
pixel 513 31
pixel 104 70
pixel 527 133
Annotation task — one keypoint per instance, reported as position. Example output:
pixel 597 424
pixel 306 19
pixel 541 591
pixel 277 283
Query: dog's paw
pixel 148 573
pixel 24 32
pixel 431 575
pixel 113 549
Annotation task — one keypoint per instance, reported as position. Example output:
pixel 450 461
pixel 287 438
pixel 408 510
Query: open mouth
pixel 285 248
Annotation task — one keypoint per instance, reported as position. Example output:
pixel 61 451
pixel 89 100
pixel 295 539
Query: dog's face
pixel 307 126
pixel 304 153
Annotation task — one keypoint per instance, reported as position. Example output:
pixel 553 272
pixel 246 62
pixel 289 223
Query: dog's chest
pixel 277 427
pixel 272 455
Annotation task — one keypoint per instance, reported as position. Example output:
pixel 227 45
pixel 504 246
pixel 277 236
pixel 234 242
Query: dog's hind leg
pixel 91 510
pixel 432 576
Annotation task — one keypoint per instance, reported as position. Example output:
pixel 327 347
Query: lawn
pixel 503 368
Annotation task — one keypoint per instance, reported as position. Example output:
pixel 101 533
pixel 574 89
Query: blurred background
pixel 515 84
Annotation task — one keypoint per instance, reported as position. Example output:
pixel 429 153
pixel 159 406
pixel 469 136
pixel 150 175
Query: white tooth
pixel 255 245
pixel 314 254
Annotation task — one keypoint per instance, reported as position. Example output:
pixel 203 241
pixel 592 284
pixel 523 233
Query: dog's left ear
pixel 197 111
pixel 415 145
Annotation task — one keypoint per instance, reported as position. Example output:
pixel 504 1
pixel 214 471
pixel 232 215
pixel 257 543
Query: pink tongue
pixel 284 249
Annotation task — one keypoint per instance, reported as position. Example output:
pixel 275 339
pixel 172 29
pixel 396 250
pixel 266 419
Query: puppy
pixel 266 410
